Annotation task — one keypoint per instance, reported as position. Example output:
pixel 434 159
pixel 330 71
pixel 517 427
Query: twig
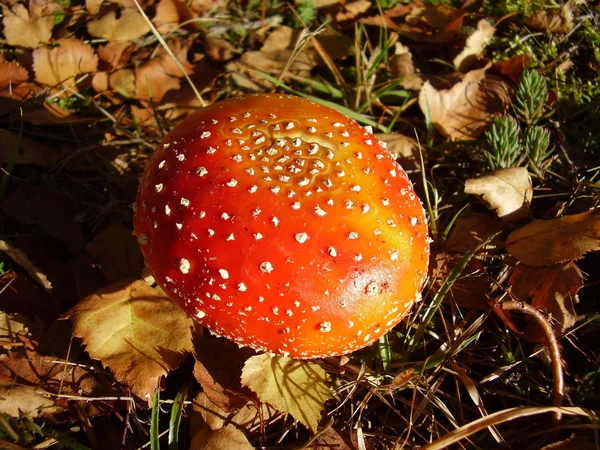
pixel 558 388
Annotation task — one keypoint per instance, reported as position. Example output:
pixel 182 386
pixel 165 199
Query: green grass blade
pixel 175 419
pixel 154 433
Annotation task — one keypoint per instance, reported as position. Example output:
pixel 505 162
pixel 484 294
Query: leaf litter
pixel 132 84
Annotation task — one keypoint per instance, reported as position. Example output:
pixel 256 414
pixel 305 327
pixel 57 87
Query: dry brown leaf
pixel 11 325
pixel 20 258
pixel 550 242
pixel 556 21
pixel 352 10
pixel 123 81
pixel 58 66
pixel 401 66
pixel 52 211
pixel 11 74
pixel 93 6
pixel 129 26
pixel 463 111
pixel 512 67
pixel 293 386
pixel 136 331
pixel 27 151
pixel 27 28
pixel 469 232
pixel 29 401
pixel 228 437
pixel 551 289
pixel 117 252
pixel 474 47
pixel 506 191
pixel 116 54
pixel 405 149
pixel 100 81
pixel 422 32
pixel 161 74
pixel 221 381
pixel 169 14
pixel 219 49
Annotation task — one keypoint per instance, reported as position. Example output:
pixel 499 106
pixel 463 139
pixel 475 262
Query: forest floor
pixel 493 110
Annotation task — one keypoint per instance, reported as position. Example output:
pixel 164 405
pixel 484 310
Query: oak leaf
pixel 27 28
pixel 60 65
pixel 506 191
pixel 550 242
pixel 129 26
pixel 136 331
pixel 463 111
pixel 293 386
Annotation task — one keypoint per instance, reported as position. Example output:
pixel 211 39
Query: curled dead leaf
pixel 555 20
pixel 506 191
pixel 463 111
pixel 550 242
pixel 475 45
pixel 401 66
pixel 59 66
pixel 169 14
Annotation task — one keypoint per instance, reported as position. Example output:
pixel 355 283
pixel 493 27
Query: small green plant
pixel 306 12
pixel 537 146
pixel 503 144
pixel 531 97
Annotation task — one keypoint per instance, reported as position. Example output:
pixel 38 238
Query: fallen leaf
pixel 474 46
pixel 336 439
pixel 93 6
pixel 22 150
pixel 52 211
pixel 293 386
pixel 512 67
pixel 116 54
pixel 11 74
pixel 129 26
pixel 60 65
pixel 401 66
pixel 123 81
pixel 161 74
pixel 469 232
pixel 551 289
pixel 29 401
pixel 169 14
pixel 21 296
pixel 405 149
pixel 352 10
pixel 228 437
pixel 136 331
pixel 117 252
pixel 219 50
pixel 11 325
pixel 463 111
pixel 246 418
pixel 27 28
pixel 222 382
pixel 554 20
pixel 506 191
pixel 433 29
pixel 100 81
pixel 20 258
pixel 550 242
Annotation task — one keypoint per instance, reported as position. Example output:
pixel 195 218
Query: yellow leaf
pixel 129 26
pixel 136 331
pixel 293 386
pixel 58 67
pixel 506 191
pixel 27 27
pixel 549 242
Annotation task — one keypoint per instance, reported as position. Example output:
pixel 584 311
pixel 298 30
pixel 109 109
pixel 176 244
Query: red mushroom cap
pixel 283 225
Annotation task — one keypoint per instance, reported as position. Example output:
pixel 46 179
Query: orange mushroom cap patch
pixel 283 225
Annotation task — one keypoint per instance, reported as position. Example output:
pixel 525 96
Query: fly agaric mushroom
pixel 282 225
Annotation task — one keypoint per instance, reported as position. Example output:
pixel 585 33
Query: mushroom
pixel 283 225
